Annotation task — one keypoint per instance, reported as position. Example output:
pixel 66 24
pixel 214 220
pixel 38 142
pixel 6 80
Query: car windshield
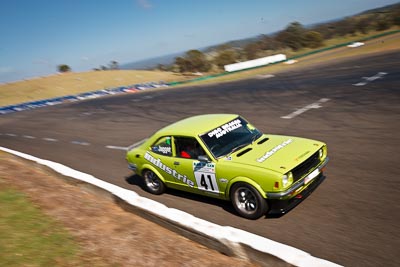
pixel 230 137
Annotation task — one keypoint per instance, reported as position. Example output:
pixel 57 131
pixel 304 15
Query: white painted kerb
pixel 231 235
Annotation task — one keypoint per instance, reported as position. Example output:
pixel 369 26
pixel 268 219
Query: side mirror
pixel 203 158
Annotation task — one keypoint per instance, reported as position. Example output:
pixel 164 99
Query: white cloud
pixel 5 70
pixel 144 4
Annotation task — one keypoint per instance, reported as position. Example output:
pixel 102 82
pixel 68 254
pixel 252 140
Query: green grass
pixel 30 238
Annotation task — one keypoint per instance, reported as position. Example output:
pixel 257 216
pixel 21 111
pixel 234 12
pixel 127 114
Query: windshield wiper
pixel 238 147
pixel 256 136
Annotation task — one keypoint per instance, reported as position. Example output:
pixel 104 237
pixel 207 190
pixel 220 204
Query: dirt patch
pixel 106 233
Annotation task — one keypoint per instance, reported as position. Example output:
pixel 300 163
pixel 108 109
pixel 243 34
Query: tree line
pixel 113 65
pixel 293 38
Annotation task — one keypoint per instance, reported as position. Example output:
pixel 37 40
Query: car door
pixel 162 157
pixel 201 172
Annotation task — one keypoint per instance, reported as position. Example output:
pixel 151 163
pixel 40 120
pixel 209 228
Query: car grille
pixel 306 167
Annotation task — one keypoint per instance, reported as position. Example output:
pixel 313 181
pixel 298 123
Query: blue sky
pixel 38 35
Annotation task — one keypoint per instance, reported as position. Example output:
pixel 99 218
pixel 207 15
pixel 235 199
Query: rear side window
pixel 162 146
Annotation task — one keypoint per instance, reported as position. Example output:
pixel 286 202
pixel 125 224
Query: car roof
pixel 194 126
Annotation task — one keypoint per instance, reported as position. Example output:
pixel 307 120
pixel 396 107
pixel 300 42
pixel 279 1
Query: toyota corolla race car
pixel 224 156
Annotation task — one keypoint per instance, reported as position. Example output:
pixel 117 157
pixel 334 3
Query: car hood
pixel 276 152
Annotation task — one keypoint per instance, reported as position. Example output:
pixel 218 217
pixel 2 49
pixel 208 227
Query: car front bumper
pixel 282 206
pixel 298 186
pixel 132 166
pixel 282 202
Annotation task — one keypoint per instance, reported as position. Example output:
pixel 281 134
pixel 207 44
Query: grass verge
pixel 98 233
pixel 30 238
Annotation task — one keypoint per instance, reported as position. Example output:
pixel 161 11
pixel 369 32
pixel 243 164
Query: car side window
pixel 162 146
pixel 188 147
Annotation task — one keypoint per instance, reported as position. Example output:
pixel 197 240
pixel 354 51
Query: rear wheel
pixel 247 201
pixel 152 183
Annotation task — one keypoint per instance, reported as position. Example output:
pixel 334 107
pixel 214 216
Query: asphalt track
pixel 353 106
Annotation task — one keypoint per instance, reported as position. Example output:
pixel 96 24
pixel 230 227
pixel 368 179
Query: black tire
pixel 247 201
pixel 152 183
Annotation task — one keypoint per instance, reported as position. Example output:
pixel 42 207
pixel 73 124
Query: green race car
pixel 224 156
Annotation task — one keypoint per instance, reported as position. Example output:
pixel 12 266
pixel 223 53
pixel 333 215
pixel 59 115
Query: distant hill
pixel 381 9
pixel 234 43
pixel 152 63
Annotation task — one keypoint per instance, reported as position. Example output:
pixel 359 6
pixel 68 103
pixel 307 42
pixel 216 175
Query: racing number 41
pixel 206 181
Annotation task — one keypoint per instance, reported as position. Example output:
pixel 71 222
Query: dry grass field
pixel 77 82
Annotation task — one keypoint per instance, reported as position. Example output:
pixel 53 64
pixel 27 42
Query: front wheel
pixel 152 183
pixel 247 201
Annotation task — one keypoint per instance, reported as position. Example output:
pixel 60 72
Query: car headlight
pixel 321 153
pixel 287 178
